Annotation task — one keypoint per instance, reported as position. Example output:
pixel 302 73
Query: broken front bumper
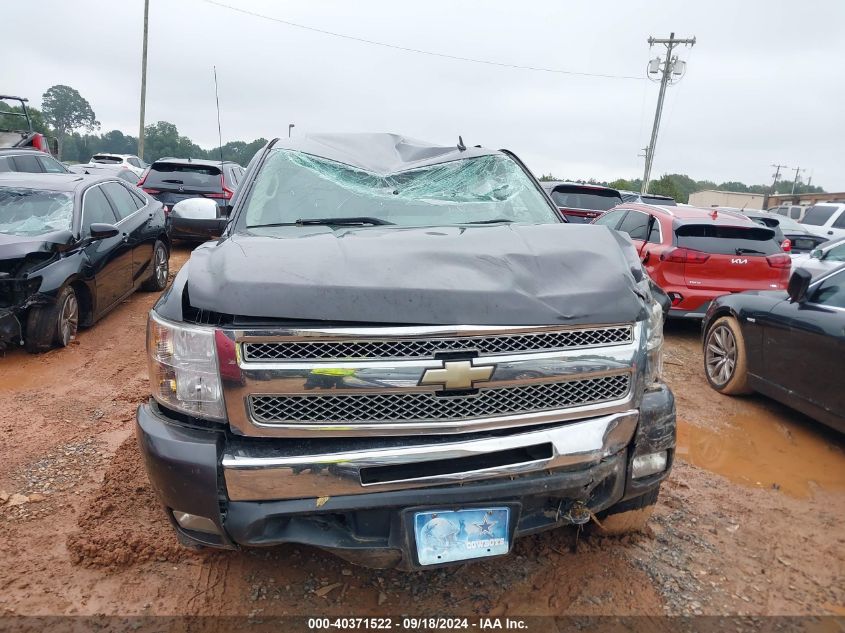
pixel 353 497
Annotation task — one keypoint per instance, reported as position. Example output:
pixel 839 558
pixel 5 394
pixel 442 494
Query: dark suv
pixel 581 203
pixel 171 180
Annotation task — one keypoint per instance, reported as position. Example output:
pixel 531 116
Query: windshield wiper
pixel 175 182
pixel 493 221
pixel 748 251
pixel 359 221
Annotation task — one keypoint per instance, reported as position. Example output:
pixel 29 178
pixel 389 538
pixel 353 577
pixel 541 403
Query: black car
pixel 793 237
pixel 30 161
pixel 72 247
pixel 171 180
pixel 581 203
pixel 789 345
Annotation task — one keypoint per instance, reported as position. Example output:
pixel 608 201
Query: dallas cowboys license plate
pixel 444 536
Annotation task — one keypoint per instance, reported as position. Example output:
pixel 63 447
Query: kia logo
pixel 737 260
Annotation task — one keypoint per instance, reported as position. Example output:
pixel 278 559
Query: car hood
pixel 19 246
pixel 485 275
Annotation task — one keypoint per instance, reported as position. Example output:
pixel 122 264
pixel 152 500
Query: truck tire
pixel 161 268
pixel 628 516
pixel 52 325
pixel 725 357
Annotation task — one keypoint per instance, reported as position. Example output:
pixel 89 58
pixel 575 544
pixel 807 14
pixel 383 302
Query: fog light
pixel 195 522
pixel 645 465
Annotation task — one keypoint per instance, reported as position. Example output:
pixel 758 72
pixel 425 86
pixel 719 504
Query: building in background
pixel 735 199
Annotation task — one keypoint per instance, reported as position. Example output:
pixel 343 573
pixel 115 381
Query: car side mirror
pixel 101 231
pixel 816 253
pixel 799 283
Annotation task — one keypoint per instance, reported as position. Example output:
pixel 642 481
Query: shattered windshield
pixel 34 211
pixel 294 186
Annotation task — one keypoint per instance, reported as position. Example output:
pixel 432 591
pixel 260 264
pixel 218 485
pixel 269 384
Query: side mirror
pixel 195 209
pixel 799 283
pixel 816 253
pixel 100 231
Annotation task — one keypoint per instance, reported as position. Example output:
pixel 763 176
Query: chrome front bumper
pixel 291 475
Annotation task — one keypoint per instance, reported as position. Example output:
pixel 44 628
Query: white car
pixel 826 257
pixel 130 161
pixel 826 220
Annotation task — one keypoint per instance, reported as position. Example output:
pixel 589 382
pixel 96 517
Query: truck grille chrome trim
pixel 426 347
pixel 426 406
pixel 302 475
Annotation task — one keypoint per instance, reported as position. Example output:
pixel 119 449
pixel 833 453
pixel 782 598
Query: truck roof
pixel 381 153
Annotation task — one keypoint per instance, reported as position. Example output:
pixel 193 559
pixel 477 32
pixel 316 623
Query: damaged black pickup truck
pixel 398 353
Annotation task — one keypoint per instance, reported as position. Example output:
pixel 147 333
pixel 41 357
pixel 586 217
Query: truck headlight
pixel 654 342
pixel 184 373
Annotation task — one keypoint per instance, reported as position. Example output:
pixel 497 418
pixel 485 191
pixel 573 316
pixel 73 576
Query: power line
pixel 408 49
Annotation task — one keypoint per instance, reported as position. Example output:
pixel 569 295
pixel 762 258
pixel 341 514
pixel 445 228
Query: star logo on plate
pixel 486 526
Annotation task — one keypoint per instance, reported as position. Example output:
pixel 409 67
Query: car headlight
pixel 654 333
pixel 184 373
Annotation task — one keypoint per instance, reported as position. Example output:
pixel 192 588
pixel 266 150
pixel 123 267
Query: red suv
pixel 695 255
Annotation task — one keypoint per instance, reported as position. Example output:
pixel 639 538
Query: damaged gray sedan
pixel 71 249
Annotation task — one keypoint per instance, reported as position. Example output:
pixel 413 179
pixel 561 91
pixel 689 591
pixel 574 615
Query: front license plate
pixel 444 536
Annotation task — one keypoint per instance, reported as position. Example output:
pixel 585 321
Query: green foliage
pixel 668 186
pixel 163 139
pixel 238 151
pixel 19 123
pixel 66 111
pixel 620 184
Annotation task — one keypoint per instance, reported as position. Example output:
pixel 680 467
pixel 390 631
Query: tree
pixel 620 184
pixel 162 139
pixel 67 111
pixel 667 187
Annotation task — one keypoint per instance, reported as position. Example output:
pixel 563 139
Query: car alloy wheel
pixel 720 355
pixel 68 319
pixel 161 265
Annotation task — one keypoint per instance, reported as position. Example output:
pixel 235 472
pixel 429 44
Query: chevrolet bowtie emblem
pixel 457 374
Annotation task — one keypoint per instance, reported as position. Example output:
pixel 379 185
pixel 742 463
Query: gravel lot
pixel 750 521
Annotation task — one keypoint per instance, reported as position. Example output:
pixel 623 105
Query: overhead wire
pixel 419 51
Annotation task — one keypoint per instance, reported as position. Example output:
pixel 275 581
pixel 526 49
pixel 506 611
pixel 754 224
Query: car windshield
pixel 34 211
pixel 788 224
pixel 295 186
pixel 108 160
pixel 818 214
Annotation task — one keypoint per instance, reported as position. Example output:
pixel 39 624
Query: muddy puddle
pixel 768 451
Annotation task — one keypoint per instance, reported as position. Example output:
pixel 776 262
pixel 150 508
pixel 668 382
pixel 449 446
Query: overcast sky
pixel 765 83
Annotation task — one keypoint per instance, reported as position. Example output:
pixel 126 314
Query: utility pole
pixel 777 175
pixel 670 66
pixel 795 180
pixel 143 81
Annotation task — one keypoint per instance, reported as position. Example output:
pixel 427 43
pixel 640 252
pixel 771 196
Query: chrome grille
pixel 423 406
pixel 426 347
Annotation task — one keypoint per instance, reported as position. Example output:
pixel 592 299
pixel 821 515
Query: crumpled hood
pixel 19 246
pixel 508 274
